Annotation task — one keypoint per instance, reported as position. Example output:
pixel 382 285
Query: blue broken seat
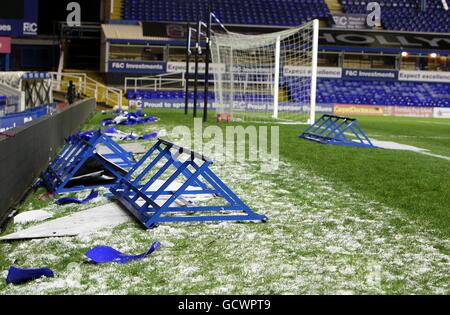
pixel 170 164
pixel 106 254
pixel 20 276
pixel 79 166
pixel 337 130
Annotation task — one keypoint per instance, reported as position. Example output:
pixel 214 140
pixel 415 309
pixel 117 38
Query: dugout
pixel 33 88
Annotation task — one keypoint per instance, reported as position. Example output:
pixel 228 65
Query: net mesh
pixel 265 77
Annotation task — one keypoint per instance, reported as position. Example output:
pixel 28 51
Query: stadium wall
pixel 28 149
pixel 321 108
pixel 336 73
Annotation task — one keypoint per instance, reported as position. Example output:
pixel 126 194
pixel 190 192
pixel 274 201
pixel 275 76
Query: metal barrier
pixel 162 81
pixel 154 83
pixel 89 87
pixel 80 150
pixel 168 163
pixel 337 130
pixel 26 151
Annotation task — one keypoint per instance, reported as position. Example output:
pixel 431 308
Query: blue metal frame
pixel 77 151
pixel 335 130
pixel 134 193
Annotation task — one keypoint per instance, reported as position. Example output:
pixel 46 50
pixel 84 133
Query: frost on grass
pixel 320 240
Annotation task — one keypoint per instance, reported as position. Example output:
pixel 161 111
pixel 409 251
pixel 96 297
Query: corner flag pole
pixel 197 55
pixel 207 56
pixel 188 55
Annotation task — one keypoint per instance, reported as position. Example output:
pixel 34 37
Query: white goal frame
pixel 229 82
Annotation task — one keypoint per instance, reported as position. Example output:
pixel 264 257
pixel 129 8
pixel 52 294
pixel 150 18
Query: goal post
pixel 267 77
pixel 276 85
pixel 314 69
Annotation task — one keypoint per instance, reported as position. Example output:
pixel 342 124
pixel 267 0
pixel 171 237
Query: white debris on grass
pixel 19 226
pixel 32 216
pixel 133 147
pixel 319 240
pixel 92 220
pixel 79 223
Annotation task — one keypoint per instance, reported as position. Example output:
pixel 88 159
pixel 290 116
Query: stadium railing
pixel 89 87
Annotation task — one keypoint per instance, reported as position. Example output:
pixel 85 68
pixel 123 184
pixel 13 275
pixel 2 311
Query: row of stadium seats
pixel 383 93
pixel 402 15
pixel 406 15
pixel 170 95
pixel 332 91
pixel 163 95
pixel 253 12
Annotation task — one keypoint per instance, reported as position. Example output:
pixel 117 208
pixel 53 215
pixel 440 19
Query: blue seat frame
pixel 74 155
pixel 337 130
pixel 135 194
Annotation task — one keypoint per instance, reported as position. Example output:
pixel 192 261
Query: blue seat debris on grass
pixel 106 254
pixel 68 200
pixel 21 276
pixel 129 119
pixel 135 192
pixel 123 136
pixel 337 130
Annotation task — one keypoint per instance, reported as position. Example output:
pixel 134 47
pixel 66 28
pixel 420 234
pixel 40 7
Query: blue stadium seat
pixel 331 91
pixel 405 15
pixel 383 93
pixel 254 12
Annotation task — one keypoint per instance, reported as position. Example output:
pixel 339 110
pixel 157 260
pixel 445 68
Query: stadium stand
pixel 350 92
pixel 406 15
pixel 255 12
pixel 399 15
pixel 383 93
pixel 162 95
pixel 9 99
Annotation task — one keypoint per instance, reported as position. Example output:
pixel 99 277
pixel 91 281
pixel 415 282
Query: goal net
pixel 268 77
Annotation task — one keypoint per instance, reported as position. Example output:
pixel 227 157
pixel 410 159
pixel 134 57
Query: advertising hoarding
pixel 137 67
pixel 19 18
pixel 5 45
pixel 364 110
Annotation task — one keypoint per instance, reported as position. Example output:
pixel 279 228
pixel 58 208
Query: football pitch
pixel 343 220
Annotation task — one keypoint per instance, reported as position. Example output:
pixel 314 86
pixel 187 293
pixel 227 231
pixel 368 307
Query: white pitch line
pixel 434 123
pixel 436 155
pixel 389 145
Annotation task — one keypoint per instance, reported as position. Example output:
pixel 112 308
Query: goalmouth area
pixel 343 220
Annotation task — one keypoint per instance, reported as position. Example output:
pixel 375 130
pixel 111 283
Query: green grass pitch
pixel 342 221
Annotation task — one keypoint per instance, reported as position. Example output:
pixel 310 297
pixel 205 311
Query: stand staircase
pixel 86 85
pixel 334 6
pixel 116 13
